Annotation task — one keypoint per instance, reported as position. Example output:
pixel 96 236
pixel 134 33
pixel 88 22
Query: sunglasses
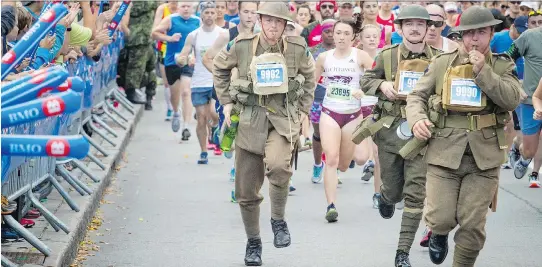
pixel 515 2
pixel 504 7
pixel 437 24
pixel 327 7
pixel 535 13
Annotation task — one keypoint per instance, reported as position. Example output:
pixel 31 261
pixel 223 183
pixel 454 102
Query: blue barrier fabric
pixel 96 76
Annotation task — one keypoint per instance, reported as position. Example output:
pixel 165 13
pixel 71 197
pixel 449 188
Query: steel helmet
pixel 279 10
pixel 476 17
pixel 412 12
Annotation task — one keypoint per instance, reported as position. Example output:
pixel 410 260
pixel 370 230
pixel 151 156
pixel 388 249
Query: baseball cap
pixel 521 23
pixel 531 5
pixel 205 5
pixel 450 7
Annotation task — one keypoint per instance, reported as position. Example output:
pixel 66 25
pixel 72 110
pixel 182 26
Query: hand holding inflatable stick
pixel 31 39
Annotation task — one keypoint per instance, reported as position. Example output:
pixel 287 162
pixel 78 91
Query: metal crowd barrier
pixel 20 175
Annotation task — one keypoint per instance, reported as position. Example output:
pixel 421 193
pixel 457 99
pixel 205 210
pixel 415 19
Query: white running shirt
pixel 201 41
pixel 341 78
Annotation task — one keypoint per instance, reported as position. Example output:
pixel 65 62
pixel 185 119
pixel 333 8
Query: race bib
pixel 465 92
pixel 339 91
pixel 407 81
pixel 271 75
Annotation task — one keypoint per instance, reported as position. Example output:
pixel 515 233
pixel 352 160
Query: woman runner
pixel 366 153
pixel 341 68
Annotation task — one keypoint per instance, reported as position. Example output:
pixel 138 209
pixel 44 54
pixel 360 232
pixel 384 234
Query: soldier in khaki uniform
pixel 396 71
pixel 461 107
pixel 273 94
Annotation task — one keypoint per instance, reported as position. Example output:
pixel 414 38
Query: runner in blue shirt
pixel 174 29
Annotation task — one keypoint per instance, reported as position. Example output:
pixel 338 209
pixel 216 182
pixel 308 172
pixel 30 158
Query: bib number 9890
pixel 465 91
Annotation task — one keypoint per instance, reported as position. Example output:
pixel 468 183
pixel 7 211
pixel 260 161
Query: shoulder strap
pixel 386 57
pixel 442 72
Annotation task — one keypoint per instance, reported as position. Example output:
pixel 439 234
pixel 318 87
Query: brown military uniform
pixel 269 126
pixel 401 178
pixel 466 151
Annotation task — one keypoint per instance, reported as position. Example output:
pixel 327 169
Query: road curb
pixel 68 253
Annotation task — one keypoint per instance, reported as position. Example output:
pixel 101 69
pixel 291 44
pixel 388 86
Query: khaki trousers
pixel 403 178
pixel 461 197
pixel 250 170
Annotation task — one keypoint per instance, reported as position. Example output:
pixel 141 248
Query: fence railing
pixel 99 98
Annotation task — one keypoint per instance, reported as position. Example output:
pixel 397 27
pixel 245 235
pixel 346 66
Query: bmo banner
pixel 63 103
pixel 45 146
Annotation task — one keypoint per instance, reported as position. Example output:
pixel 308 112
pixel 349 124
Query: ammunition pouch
pixel 394 109
pixel 295 90
pixel 369 126
pixel 412 148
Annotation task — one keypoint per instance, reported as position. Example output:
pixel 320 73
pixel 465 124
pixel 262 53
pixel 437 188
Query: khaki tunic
pixel 253 120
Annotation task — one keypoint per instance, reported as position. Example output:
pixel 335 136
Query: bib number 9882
pixel 269 75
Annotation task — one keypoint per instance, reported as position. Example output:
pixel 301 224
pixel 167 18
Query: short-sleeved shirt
pixel 528 45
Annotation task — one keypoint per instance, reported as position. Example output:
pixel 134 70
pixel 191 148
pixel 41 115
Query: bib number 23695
pixel 340 92
pixel 465 92
pixel 269 74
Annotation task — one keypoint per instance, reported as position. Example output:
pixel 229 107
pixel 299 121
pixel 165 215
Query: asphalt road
pixel 165 210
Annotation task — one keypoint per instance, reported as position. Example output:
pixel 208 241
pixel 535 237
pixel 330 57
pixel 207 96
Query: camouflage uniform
pixel 137 60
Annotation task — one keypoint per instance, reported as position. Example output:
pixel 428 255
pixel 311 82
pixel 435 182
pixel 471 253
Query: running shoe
pixel 331 214
pixel 506 166
pixel 9 233
pixel 232 174
pixel 376 197
pixel 232 196
pixel 308 142
pixel 533 180
pixel 210 146
pixel 176 123
pixel 339 178
pixel 203 158
pixel 520 168
pixel 292 188
pixel 425 239
pixel 169 113
pixel 217 151
pixel 186 134
pixel 352 164
pixel 317 173
pixel 368 170
pixel 513 156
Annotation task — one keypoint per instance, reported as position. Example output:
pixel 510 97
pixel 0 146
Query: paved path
pixel 165 210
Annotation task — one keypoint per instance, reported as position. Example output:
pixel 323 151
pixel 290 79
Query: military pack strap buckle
pixel 479 122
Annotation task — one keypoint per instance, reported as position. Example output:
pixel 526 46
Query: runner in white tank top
pixel 341 78
pixel 197 42
pixel 341 68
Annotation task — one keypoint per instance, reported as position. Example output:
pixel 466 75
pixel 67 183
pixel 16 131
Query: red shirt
pixel 386 23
